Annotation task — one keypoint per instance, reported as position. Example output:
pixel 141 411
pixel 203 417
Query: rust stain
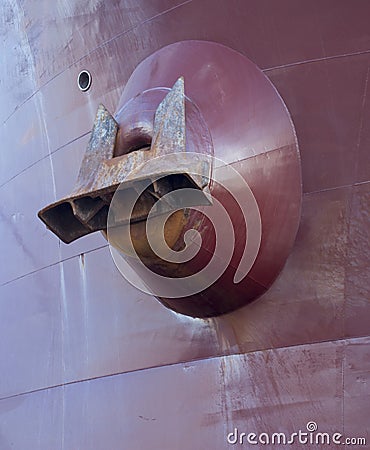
pixel 86 210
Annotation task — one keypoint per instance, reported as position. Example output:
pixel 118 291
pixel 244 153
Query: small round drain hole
pixel 84 80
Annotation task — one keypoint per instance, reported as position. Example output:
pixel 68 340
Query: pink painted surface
pixel 87 361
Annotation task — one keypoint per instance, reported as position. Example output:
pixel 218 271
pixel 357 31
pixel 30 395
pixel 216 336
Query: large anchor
pixel 86 209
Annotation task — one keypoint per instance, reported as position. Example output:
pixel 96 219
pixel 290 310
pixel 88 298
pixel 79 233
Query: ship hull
pixel 88 361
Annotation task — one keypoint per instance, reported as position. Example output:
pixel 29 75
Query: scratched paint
pixel 85 302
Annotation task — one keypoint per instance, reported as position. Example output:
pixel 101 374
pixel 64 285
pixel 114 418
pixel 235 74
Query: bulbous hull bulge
pixel 89 361
pixel 251 132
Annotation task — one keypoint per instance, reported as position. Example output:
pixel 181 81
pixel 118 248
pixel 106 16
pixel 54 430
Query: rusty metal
pixel 252 131
pixel 177 125
pixel 85 210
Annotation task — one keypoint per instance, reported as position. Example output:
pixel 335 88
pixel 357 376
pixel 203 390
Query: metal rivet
pixel 84 80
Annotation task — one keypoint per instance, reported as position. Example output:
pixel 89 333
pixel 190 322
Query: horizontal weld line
pixel 336 187
pixel 45 157
pixel 52 265
pixel 308 61
pixel 305 194
pixel 20 105
pixel 148 20
pixel 260 155
pixel 122 33
pixel 80 137
pixel 293 64
pixel 179 363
